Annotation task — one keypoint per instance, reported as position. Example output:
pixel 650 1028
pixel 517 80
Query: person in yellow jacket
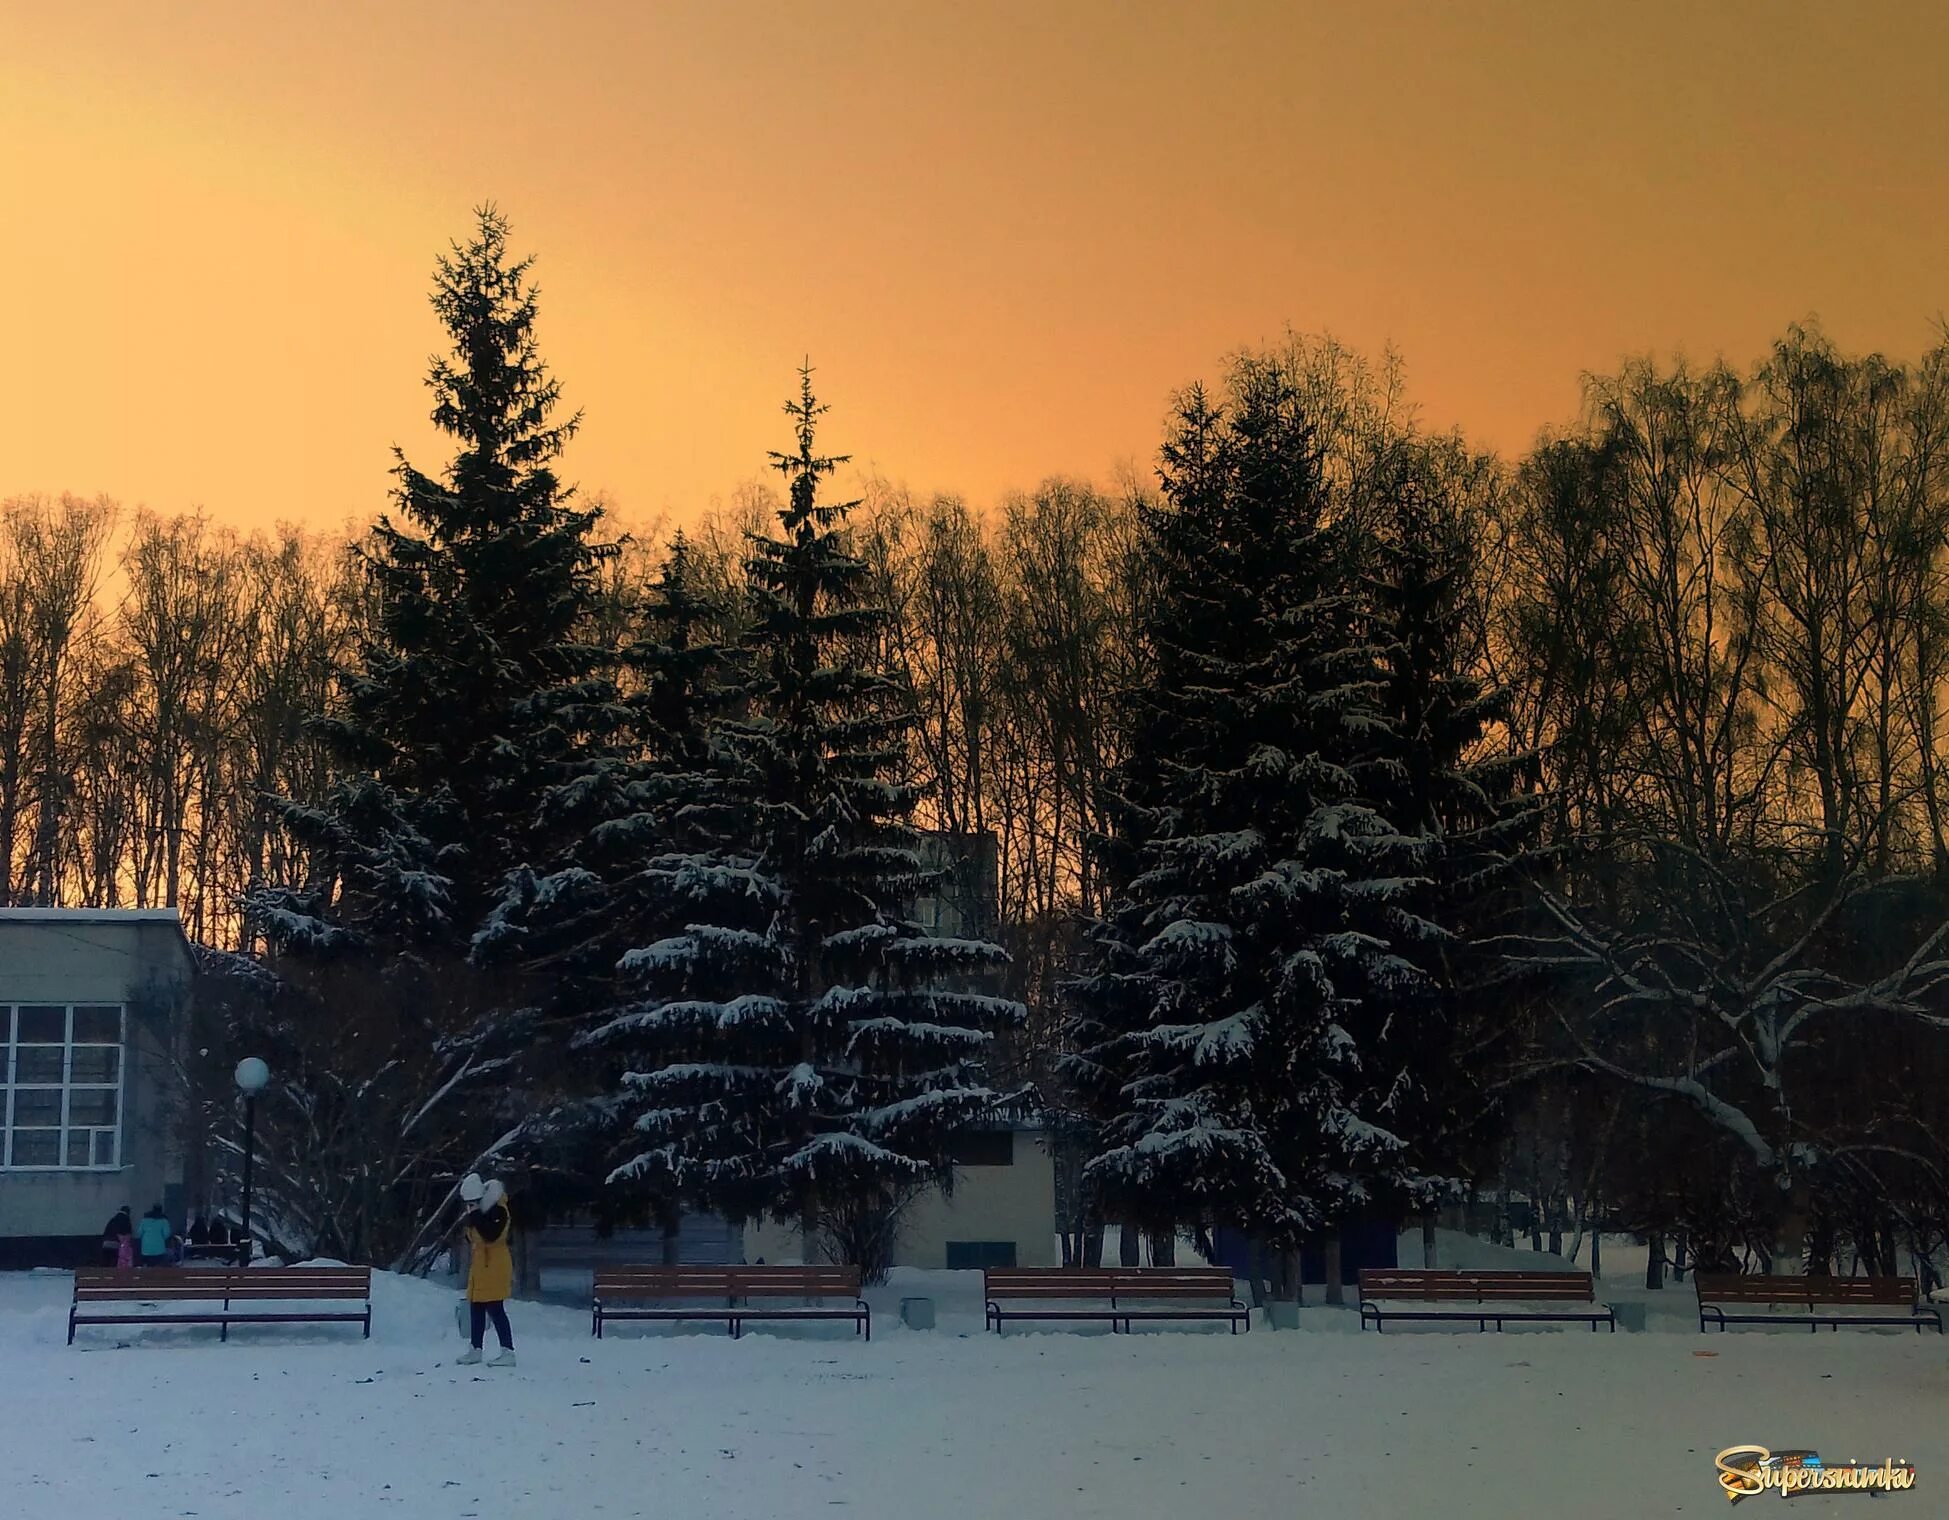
pixel 490 1268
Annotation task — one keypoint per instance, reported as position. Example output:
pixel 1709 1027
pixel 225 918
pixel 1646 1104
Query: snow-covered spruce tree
pixel 633 833
pixel 798 1049
pixel 1455 783
pixel 463 704
pixel 1259 895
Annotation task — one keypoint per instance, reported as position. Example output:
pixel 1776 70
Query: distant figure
pixel 199 1231
pixel 219 1232
pixel 490 1271
pixel 152 1239
pixel 115 1239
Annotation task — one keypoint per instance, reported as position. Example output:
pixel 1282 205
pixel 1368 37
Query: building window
pixel 982 1147
pixel 61 1087
pixel 970 1255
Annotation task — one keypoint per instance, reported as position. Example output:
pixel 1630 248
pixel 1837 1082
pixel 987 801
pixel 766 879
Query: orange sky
pixel 1003 231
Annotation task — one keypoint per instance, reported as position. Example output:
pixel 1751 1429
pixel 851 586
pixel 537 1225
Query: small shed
pixel 93 1014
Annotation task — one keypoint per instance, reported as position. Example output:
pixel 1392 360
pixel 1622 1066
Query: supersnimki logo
pixel 1746 1472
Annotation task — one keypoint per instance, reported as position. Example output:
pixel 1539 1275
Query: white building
pixel 93 1004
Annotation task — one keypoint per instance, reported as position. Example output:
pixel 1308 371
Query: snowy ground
pixel 308 1424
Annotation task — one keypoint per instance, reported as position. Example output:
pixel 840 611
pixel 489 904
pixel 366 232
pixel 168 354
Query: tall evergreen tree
pixel 472 677
pixel 633 832
pixel 461 710
pixel 1260 896
pixel 798 1048
pixel 1455 783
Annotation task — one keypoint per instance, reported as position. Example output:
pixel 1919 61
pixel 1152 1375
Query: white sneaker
pixel 504 1359
pixel 469 1357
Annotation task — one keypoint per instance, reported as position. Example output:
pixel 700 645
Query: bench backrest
pixel 1108 1282
pixel 1801 1291
pixel 1461 1285
pixel 146 1284
pixel 615 1284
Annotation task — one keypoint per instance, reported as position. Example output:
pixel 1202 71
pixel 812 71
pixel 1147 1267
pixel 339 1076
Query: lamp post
pixel 252 1077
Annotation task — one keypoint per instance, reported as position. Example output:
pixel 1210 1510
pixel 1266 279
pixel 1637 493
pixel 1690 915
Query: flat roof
pixel 92 915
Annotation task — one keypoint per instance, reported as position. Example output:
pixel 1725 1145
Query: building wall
pixel 48 1217
pixel 1015 1203
pixel 961 903
pixel 990 1203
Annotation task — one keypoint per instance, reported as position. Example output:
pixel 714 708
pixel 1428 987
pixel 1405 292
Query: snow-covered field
pixel 314 1424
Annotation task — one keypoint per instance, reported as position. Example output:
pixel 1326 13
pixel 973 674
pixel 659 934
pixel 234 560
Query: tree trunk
pixel 1596 1253
pixel 1335 1289
pixel 1288 1289
pixel 1678 1257
pixel 1820 1247
pixel 672 1240
pixel 527 1263
pixel 1093 1240
pixel 1129 1245
pixel 1427 1240
pixel 1654 1260
pixel 1164 1249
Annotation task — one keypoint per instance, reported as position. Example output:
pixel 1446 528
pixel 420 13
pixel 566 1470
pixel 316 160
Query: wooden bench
pixel 624 1293
pixel 1422 1292
pixel 1107 1293
pixel 1832 1301
pixel 223 1296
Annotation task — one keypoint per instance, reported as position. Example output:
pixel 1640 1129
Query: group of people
pixel 152 1242
pixel 490 1264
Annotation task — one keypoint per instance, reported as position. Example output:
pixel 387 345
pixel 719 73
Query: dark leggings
pixel 497 1312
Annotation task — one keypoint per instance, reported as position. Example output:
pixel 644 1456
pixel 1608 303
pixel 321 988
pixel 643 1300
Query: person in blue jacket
pixel 152 1239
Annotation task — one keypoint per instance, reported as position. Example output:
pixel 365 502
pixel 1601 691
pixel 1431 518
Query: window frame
pixel 982 1148
pixel 65 1131
pixel 979 1255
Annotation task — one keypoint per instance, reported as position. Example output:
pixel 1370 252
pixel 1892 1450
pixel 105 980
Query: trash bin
pixel 917 1313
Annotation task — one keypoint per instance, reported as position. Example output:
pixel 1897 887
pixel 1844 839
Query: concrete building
pixel 963 902
pixel 1001 1212
pixel 93 1006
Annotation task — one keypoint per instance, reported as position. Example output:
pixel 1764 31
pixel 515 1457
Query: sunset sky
pixel 1003 232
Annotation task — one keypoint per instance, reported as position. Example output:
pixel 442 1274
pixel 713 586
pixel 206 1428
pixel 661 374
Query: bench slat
pixel 621 1292
pixel 1113 1294
pixel 1108 1282
pixel 224 1296
pixel 145 1284
pixel 1456 1285
pixel 613 1283
pixel 1801 1290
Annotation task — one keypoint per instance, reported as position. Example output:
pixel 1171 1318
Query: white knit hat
pixel 471 1188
